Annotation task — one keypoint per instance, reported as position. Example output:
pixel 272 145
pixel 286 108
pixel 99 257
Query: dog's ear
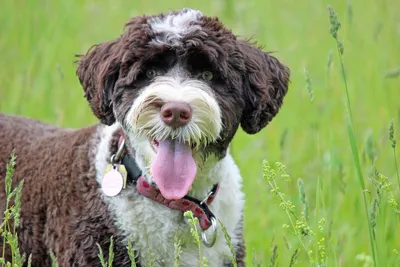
pixel 98 70
pixel 265 85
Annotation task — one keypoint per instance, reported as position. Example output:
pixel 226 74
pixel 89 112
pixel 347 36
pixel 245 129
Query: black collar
pixel 132 168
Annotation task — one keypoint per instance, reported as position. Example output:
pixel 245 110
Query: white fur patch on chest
pixel 152 227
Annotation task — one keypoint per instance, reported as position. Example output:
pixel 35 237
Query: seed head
pixel 393 204
pixel 391 134
pixel 329 62
pixel 308 84
pixel 392 73
pixel 303 197
pixel 334 22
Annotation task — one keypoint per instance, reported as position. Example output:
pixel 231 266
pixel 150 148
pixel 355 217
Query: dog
pixel 170 93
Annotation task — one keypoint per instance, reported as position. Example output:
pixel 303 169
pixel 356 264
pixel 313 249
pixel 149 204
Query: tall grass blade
pixel 53 259
pixel 393 144
pixel 131 254
pixel 101 256
pixel 177 251
pixel 334 27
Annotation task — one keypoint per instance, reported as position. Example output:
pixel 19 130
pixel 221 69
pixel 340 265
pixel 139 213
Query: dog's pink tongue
pixel 173 169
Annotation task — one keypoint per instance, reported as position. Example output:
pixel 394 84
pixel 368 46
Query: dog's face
pixel 180 84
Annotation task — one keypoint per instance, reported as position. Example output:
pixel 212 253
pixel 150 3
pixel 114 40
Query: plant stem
pixel 353 144
pixel 397 168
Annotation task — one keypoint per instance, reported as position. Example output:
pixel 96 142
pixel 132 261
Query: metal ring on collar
pixel 214 234
pixel 117 156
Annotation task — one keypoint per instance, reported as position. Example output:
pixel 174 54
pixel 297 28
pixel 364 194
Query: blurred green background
pixel 38 41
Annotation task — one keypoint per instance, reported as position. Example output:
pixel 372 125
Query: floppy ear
pixel 98 71
pixel 265 85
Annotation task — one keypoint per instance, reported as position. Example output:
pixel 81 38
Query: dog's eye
pixel 207 75
pixel 151 74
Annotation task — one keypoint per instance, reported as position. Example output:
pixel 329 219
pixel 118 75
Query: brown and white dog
pixel 170 94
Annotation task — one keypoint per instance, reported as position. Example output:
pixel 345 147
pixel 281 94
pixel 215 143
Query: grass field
pixel 38 41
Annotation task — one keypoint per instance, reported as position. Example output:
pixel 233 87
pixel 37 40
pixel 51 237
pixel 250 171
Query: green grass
pixel 340 163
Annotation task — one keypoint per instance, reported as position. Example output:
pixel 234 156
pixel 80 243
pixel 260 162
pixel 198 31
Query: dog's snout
pixel 176 114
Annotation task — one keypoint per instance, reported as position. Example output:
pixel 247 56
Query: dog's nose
pixel 176 114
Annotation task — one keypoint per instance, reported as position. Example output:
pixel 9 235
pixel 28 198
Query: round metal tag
pixel 112 183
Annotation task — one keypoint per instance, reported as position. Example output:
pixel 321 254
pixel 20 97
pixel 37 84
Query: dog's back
pixel 24 137
pixel 30 140
pixel 56 186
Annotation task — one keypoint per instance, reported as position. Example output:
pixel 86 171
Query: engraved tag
pixel 113 180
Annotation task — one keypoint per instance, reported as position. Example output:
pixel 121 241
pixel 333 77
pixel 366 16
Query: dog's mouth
pixel 154 145
pixel 173 168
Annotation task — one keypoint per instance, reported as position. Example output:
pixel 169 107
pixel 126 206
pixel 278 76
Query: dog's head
pixel 180 84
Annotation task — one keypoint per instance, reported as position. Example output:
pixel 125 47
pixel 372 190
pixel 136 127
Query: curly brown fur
pixel 61 209
pixel 266 84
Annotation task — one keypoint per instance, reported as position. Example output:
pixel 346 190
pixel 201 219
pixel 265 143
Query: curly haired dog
pixel 170 94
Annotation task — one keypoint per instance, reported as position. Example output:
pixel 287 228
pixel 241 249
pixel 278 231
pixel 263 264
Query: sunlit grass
pixel 334 28
pixel 38 41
